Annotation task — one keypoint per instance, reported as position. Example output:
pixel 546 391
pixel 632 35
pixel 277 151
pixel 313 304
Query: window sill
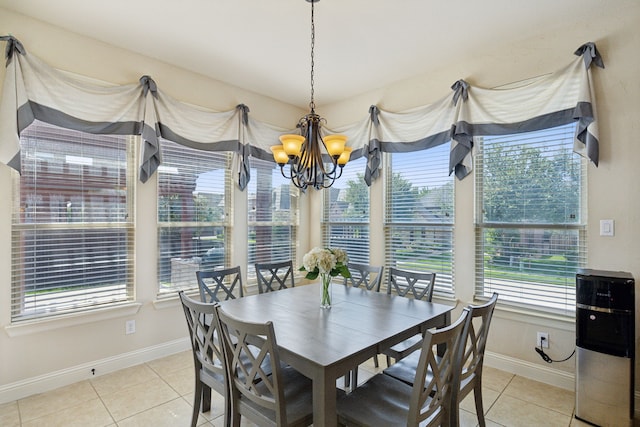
pixel 74 319
pixel 170 300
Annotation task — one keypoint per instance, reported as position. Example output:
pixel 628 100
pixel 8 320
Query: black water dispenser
pixel 605 341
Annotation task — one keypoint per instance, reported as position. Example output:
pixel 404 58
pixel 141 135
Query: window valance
pixel 34 90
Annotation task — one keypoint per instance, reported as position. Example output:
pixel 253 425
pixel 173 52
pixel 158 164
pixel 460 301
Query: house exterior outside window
pixel 194 214
pixel 530 218
pixel 345 222
pixel 419 214
pixel 272 216
pixel 72 228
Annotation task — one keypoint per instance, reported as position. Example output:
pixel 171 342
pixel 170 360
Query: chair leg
pixel 197 398
pixel 388 361
pixel 375 361
pixel 227 408
pixel 477 394
pixel 206 398
pixel 347 380
pixel 354 379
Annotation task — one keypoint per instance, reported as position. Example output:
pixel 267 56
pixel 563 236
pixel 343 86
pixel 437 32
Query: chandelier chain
pixel 314 161
pixel 312 104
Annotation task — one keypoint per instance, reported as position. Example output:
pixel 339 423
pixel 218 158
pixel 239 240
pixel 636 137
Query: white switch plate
pixel 606 227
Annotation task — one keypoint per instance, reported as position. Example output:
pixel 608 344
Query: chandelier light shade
pixel 313 161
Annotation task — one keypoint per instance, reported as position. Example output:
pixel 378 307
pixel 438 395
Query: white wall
pixel 52 353
pixel 35 360
pixel 613 191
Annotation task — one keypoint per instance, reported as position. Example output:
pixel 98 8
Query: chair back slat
pixel 473 357
pixel 208 356
pixel 245 366
pixel 435 389
pixel 216 285
pixel 203 334
pixel 274 276
pixel 364 275
pixel 417 284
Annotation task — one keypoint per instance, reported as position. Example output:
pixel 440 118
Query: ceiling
pixel 264 45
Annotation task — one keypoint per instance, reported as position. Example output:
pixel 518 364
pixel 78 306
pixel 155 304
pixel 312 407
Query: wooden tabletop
pixel 325 344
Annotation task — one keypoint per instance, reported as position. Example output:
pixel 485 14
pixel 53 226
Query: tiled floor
pixel 160 393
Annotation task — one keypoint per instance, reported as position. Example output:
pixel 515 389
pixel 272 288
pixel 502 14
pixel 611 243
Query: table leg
pixel 446 322
pixel 324 400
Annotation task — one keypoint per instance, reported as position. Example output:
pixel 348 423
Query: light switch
pixel 606 227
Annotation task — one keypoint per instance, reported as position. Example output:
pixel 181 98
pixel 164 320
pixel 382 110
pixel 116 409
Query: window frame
pixel 544 301
pixel 444 286
pixel 186 268
pixel 87 299
pixel 291 221
pixel 353 170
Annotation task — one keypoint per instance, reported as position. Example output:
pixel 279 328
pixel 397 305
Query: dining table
pixel 324 344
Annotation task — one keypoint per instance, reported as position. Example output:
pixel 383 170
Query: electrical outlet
pixel 130 327
pixel 542 340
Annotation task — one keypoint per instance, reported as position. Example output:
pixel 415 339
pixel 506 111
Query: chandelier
pixel 313 161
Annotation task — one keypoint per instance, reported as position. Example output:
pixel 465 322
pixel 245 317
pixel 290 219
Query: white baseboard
pixel 53 380
pixel 533 371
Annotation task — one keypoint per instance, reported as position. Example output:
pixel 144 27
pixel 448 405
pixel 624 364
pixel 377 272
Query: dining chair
pixel 274 276
pixel 207 357
pixel 386 401
pixel 472 358
pixel 418 285
pixel 213 283
pixel 283 398
pixel 368 277
pixel 364 275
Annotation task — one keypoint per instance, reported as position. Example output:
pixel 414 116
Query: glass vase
pixel 325 297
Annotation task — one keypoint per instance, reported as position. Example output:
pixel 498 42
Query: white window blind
pixel 272 216
pixel 72 228
pixel 346 213
pixel 194 191
pixel 419 214
pixel 530 222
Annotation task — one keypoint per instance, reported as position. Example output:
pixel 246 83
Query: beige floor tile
pixel 172 363
pixel 578 423
pixel 115 381
pixel 219 422
pixel 138 398
pixel 511 412
pixel 43 404
pixel 489 397
pixel 182 381
pixel 371 366
pixel 87 414
pixel 176 412
pixel 160 393
pixel 495 379
pixel 541 394
pixel 9 415
pixel 217 405
pixel 467 419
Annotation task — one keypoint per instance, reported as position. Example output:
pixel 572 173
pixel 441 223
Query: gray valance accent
pixel 33 90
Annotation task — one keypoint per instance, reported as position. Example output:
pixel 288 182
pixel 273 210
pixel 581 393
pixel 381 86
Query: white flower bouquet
pixel 326 263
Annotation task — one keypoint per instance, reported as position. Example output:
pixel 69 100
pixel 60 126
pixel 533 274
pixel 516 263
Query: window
pixel 72 230
pixel 419 214
pixel 272 216
pixel 194 190
pixel 346 213
pixel 530 225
